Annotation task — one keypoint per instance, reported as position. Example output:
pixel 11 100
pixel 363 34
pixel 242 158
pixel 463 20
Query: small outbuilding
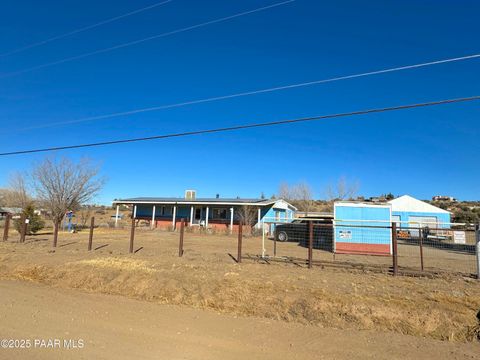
pixel 362 228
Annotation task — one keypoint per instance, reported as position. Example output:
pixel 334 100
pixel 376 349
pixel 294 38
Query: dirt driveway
pixel 114 327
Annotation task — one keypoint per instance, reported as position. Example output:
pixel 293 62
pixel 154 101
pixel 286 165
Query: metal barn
pixel 410 212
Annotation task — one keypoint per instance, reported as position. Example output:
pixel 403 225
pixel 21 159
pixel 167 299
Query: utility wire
pixel 246 126
pixel 135 42
pixel 248 93
pixel 82 29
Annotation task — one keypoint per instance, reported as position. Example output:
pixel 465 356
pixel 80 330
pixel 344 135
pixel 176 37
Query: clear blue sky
pixel 418 152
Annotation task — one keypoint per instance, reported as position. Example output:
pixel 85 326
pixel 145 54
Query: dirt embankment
pixel 440 308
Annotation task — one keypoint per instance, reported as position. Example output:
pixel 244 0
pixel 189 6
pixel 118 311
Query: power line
pixel 247 126
pixel 248 93
pixel 135 42
pixel 82 29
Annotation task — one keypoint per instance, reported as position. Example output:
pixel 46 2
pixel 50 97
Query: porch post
pixel 174 216
pixel 116 216
pixel 134 211
pixel 191 215
pixel 153 218
pixel 206 217
pixel 259 218
pixel 231 220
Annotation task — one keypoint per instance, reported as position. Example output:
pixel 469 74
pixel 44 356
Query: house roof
pixel 10 210
pixel 204 201
pixel 410 204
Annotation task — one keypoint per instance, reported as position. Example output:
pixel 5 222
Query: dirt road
pixel 114 327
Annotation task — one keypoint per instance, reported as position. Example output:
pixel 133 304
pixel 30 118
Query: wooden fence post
pixel 180 244
pixel 274 243
pixel 310 244
pixel 240 238
pixel 90 237
pixel 22 228
pixel 132 234
pixel 55 233
pixel 7 226
pixel 394 249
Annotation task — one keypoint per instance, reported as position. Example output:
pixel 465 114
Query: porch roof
pixel 197 201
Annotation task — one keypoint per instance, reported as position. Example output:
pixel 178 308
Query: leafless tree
pixel 62 185
pixel 248 215
pixel 302 193
pixel 284 191
pixel 17 194
pixel 19 188
pixel 343 190
pixel 299 194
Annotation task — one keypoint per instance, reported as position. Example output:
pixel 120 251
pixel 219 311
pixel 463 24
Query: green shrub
pixel 36 223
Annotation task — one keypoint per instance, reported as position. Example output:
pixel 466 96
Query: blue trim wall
pixel 443 219
pixel 349 232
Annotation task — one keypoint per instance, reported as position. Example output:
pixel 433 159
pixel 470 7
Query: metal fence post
pixel 90 237
pixel 180 245
pixel 55 233
pixel 7 226
pixel 310 244
pixel 240 236
pixel 420 235
pixel 477 248
pixel 394 249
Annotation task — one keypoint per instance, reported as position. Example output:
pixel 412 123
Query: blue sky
pixel 420 152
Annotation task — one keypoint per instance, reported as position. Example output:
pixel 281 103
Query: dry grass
pixel 206 277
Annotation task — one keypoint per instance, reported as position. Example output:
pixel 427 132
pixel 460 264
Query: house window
pixel 219 213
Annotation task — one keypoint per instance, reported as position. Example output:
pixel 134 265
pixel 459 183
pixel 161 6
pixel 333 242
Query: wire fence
pixel 388 247
pixel 398 248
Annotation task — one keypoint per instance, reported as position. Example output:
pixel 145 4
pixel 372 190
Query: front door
pixel 198 215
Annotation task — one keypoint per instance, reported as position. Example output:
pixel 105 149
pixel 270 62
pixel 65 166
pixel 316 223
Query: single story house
pixel 13 211
pixel 219 213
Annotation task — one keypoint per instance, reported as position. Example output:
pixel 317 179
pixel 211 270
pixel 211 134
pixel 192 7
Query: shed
pixel 362 228
pixel 410 212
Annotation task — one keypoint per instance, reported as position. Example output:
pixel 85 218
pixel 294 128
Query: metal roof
pixel 409 204
pixel 173 200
